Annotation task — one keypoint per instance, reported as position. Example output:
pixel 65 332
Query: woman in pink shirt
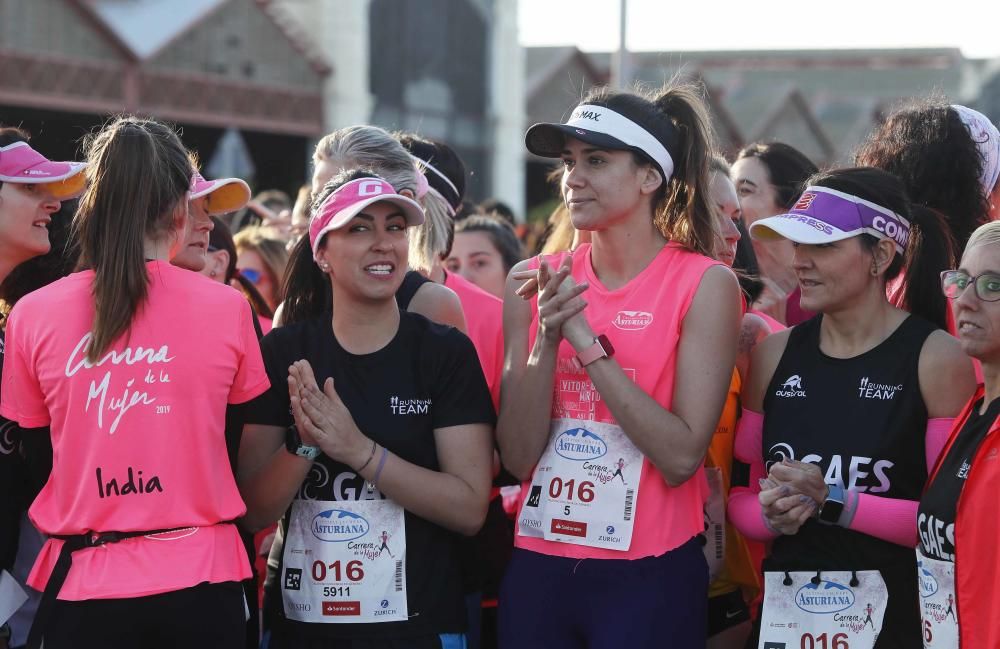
pixel 117 361
pixel 605 558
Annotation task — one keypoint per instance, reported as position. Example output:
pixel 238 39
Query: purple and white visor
pixel 824 215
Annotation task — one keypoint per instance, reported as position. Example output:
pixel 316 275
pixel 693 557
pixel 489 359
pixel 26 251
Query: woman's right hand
pixel 558 300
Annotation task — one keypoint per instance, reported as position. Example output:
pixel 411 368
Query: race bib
pixel 585 487
pixel 938 608
pixel 715 524
pixel 345 561
pixel 833 611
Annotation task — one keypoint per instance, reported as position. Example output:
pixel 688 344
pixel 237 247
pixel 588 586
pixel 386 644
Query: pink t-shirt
pixel 643 320
pixel 484 318
pixel 138 439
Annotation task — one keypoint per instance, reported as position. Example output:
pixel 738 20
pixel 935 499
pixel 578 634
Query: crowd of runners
pixel 746 403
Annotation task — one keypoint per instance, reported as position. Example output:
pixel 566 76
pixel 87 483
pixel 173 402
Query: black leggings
pixel 208 616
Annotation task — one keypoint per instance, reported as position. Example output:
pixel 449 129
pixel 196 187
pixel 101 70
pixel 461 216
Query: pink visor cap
pixel 349 199
pixel 223 195
pixel 20 164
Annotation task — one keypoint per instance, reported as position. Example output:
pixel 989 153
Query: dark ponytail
pixel 685 211
pixel 139 174
pixel 307 290
pixel 931 249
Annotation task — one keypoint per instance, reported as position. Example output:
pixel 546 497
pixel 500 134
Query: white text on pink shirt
pixel 99 390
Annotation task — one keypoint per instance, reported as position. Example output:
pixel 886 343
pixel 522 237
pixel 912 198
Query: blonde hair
pixel 986 234
pixel 272 250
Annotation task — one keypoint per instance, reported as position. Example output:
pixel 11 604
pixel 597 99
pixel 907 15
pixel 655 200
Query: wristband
pixel 378 471
pixel 370 456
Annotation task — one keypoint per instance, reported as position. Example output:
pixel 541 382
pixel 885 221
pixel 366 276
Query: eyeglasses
pixel 986 285
pixel 252 275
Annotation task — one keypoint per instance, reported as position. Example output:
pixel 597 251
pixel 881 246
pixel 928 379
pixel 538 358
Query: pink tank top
pixel 484 318
pixel 643 320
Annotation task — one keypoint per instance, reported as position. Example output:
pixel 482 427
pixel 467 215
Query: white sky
pixel 592 25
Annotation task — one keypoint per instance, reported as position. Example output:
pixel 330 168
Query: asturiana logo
pixel 337 526
pixel 579 444
pixel 824 597
pixel 632 320
pixel 792 387
pixel 928 584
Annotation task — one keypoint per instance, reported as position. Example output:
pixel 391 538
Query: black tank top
pixel 412 282
pixel 862 420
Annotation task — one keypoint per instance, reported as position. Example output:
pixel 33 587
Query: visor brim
pixel 549 140
pixel 803 230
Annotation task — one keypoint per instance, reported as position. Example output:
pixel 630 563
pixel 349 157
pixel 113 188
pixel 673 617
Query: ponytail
pixel 307 289
pixel 684 213
pixel 931 249
pixel 138 176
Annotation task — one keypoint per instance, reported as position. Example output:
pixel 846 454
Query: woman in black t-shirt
pixel 844 412
pixel 958 559
pixel 388 460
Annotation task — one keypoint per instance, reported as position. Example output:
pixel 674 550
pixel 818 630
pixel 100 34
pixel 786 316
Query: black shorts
pixel 726 611
pixel 208 616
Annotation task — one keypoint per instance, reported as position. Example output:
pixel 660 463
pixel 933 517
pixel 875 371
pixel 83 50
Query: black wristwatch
pixel 833 506
pixel 294 445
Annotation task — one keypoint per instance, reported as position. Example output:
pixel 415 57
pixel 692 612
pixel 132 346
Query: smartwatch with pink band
pixel 601 348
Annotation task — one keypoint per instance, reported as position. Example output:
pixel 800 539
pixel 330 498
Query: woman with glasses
pixel 958 565
pixel 845 414
pixel 262 258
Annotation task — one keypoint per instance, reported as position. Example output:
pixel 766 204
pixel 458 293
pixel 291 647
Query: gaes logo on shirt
pixel 792 387
pixel 409 406
pixel 824 597
pixel 868 389
pixel 632 320
pixel 580 444
pixel 337 526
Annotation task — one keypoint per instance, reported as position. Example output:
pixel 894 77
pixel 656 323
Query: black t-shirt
pixel 427 377
pixel 938 507
pixel 862 421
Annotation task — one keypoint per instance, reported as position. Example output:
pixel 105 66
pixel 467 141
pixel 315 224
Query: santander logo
pixel 632 320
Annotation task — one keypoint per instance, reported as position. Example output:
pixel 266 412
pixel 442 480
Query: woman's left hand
pixel 325 417
pixel 801 478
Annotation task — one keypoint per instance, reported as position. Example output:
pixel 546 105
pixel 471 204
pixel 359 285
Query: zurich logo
pixel 579 444
pixel 337 526
pixel 928 584
pixel 824 597
pixel 611 530
pixel 384 603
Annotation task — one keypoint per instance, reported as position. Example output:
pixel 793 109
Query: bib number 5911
pixel 809 641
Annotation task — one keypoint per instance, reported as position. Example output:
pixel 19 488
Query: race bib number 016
pixel 824 613
pixel 938 608
pixel 585 487
pixel 345 561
